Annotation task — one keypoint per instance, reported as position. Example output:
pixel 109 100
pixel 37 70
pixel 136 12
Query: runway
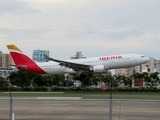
pixel 79 109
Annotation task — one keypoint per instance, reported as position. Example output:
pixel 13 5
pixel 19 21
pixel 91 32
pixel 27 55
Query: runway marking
pixel 42 98
pixel 33 92
pixel 78 99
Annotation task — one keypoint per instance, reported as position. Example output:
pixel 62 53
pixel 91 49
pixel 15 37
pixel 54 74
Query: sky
pixel 95 27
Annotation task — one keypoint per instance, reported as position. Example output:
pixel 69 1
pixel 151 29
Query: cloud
pixel 15 7
pixel 24 32
pixel 93 27
pixel 83 30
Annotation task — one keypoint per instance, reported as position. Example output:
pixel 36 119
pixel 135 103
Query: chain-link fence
pixel 79 109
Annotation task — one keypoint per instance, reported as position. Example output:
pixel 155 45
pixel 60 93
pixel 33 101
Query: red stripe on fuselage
pixel 22 60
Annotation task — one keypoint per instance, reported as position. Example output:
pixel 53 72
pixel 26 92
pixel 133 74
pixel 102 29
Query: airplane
pixel 55 66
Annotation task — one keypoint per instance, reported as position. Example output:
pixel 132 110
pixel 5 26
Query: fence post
pixel 110 102
pixel 13 116
pixel 11 102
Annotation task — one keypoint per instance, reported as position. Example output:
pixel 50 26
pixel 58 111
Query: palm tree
pixel 119 78
pixel 129 81
pixel 110 80
pixel 151 80
pixel 95 78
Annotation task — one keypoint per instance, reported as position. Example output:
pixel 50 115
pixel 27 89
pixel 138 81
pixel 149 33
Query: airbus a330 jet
pixel 55 66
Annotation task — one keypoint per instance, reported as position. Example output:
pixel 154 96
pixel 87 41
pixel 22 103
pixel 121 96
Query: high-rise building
pixel 38 55
pixel 78 55
pixel 5 60
pixel 5 65
pixel 157 66
pixel 124 71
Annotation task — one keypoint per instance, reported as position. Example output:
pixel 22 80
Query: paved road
pixel 79 109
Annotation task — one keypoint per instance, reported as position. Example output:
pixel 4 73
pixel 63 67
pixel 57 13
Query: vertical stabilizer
pixel 22 61
pixel 18 56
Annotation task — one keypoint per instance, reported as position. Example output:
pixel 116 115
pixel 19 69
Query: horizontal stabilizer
pixel 20 67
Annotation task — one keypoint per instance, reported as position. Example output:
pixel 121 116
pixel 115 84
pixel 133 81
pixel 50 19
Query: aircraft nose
pixel 146 59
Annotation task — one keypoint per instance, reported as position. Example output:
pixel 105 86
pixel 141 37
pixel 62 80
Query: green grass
pixel 87 95
pixel 120 95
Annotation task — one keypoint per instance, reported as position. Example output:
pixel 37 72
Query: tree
pixel 69 81
pixel 3 82
pixel 85 79
pixel 119 78
pixel 91 78
pixel 110 80
pixel 41 80
pixel 95 78
pixel 19 78
pixel 129 81
pixel 122 79
pixel 58 80
pixel 151 79
pixel 24 79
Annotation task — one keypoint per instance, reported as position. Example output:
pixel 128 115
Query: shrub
pixel 59 89
pixel 27 89
pixel 4 89
pixel 41 88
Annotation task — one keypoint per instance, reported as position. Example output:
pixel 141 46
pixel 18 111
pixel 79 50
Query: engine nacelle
pixel 98 69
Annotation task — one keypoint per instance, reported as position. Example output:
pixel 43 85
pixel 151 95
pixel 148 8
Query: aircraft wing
pixel 74 66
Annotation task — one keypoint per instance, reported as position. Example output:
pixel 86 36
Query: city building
pixel 5 65
pixel 5 60
pixel 124 71
pixel 38 55
pixel 146 67
pixel 78 55
pixel 157 66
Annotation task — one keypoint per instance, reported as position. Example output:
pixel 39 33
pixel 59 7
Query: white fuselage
pixel 109 62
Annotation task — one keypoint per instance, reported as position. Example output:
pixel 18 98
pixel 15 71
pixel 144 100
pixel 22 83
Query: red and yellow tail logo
pixel 13 48
pixel 17 55
pixel 21 60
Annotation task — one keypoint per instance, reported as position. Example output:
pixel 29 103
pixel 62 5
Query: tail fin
pixel 18 56
pixel 22 61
